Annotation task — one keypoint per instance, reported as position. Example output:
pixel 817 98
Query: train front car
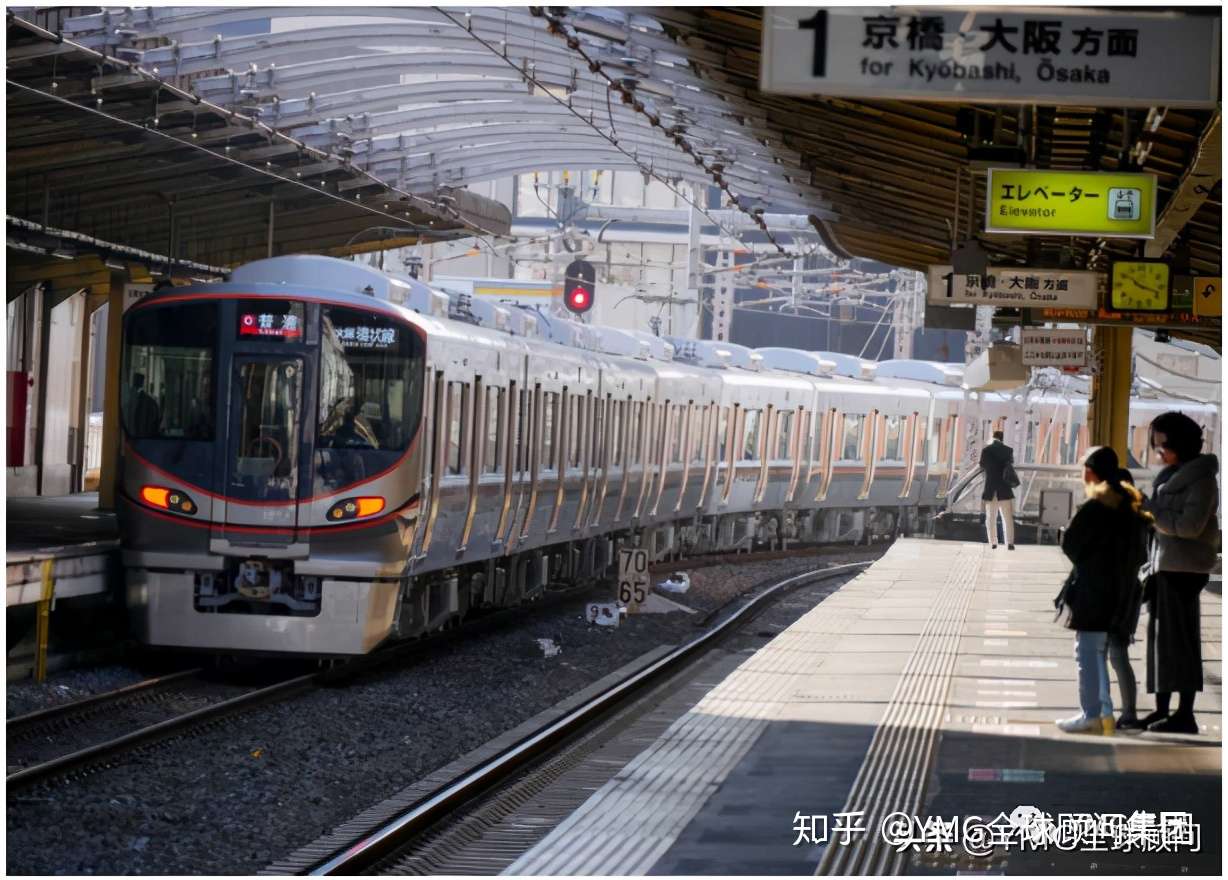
pixel 269 474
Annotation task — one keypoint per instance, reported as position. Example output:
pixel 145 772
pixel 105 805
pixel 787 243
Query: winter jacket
pixel 994 459
pixel 1184 501
pixel 1107 542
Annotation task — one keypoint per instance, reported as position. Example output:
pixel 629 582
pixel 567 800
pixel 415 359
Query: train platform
pixel 905 725
pixel 70 531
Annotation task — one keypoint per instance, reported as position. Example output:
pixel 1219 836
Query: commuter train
pixel 319 457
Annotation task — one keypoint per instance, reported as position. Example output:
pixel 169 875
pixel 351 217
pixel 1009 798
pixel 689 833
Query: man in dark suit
pixel 998 497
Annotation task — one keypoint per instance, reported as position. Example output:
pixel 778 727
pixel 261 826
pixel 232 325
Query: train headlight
pixel 168 499
pixel 355 508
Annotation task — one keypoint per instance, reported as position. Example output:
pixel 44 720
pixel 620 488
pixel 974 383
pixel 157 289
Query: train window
pixel 1029 448
pixel 750 435
pixel 680 423
pixel 549 417
pixel 850 443
pixel 522 431
pixel 458 403
pixel 892 440
pixel 701 427
pixel 614 438
pixel 370 381
pixel 167 391
pixel 722 434
pixel 634 430
pixel 935 441
pixel 492 454
pixel 784 429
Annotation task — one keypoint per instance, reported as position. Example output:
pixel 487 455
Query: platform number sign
pixel 632 577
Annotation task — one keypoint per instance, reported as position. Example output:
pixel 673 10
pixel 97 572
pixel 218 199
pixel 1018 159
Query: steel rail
pixel 13 726
pixel 129 741
pixel 380 843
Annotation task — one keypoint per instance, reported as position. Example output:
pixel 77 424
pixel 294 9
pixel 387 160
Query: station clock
pixel 1140 286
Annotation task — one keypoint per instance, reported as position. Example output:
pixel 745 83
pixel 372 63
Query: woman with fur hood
pixel 1107 542
pixel 1185 497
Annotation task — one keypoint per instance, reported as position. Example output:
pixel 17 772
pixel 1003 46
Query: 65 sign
pixel 632 577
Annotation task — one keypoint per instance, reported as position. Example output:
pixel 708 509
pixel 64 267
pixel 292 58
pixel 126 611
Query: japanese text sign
pixel 1013 287
pixel 1025 201
pixel 999 54
pixel 1054 348
pixel 269 325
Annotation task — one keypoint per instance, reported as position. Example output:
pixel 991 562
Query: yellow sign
pixel 1208 302
pixel 1139 285
pixel 1025 201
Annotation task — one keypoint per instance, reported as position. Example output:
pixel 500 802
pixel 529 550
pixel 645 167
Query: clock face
pixel 1140 286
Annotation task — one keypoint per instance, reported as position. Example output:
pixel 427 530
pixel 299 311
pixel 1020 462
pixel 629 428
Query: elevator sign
pixel 993 54
pixel 1026 201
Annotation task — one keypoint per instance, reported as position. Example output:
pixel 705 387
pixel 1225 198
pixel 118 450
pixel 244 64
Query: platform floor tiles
pixel 925 687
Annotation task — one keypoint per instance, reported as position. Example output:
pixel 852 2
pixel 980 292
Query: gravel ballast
pixel 234 797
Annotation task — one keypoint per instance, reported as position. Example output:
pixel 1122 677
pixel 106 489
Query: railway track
pixel 381 838
pixel 56 743
pixel 30 738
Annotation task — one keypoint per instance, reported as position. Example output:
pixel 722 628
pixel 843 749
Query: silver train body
pixel 318 459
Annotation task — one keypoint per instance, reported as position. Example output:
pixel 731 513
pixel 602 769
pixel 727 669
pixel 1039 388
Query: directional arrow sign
pixel 1208 302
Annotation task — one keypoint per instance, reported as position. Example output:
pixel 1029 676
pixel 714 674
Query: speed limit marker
pixel 632 578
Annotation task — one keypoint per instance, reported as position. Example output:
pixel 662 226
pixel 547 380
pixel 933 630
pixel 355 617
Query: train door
pixel 267 457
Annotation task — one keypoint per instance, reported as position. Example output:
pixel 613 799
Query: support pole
pixel 109 472
pixel 1109 411
pixel 43 626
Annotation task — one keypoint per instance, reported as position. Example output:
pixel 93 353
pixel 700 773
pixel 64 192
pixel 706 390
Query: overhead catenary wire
pixel 613 141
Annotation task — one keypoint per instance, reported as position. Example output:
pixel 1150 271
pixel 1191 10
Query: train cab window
pixel 550 405
pixel 850 443
pixel 615 428
pixel 784 431
pixel 750 436
pixel 722 434
pixel 167 388
pixel 492 453
pixel 892 439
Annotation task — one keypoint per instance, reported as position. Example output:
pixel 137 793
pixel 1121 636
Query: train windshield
pixel 167 386
pixel 370 399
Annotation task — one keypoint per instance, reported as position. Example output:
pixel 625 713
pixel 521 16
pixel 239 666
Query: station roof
pixel 208 114
pixel 110 157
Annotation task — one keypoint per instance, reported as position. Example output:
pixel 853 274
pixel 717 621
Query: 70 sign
pixel 632 577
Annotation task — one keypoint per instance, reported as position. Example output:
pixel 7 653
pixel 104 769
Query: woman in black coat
pixel 1106 541
pixel 1184 499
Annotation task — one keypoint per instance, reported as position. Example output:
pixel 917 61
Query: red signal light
pixel 578 287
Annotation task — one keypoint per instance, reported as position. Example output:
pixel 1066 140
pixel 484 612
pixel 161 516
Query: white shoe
pixel 1080 724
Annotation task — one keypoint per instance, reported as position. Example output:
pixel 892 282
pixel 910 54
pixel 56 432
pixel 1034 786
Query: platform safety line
pixel 892 775
pixel 706 740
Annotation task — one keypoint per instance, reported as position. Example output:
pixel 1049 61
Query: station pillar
pixel 1109 412
pixel 108 476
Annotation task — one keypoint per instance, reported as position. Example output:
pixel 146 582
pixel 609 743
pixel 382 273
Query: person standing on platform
pixel 1120 641
pixel 1107 543
pixel 1184 500
pixel 998 465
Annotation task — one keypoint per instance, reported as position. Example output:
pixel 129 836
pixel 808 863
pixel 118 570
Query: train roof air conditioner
pixel 793 360
pixel 848 365
pixel 922 371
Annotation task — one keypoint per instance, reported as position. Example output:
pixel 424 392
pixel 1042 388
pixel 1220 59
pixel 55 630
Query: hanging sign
pixel 1026 201
pixel 1208 302
pixel 1054 348
pixel 1011 287
pixel 993 54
